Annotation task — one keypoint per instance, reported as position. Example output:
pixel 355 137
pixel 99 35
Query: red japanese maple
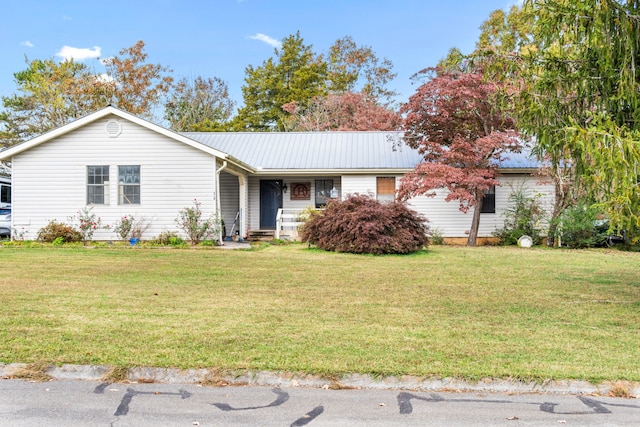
pixel 458 125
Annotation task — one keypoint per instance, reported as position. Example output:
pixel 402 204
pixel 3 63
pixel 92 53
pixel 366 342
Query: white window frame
pixel 93 187
pixel 128 183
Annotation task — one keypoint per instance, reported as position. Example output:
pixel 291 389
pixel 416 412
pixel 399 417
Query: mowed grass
pixel 451 311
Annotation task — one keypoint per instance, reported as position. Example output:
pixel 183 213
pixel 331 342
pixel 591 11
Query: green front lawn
pixel 463 312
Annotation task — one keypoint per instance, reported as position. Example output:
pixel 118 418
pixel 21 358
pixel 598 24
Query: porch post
pixel 243 204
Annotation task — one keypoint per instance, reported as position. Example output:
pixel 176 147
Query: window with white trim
pixel 97 185
pixel 129 185
pixel 323 191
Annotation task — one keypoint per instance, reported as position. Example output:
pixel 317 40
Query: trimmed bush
pixel 360 224
pixel 60 233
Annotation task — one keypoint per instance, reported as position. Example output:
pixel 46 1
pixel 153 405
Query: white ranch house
pixel 123 165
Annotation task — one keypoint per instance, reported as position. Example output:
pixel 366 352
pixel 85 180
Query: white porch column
pixel 243 204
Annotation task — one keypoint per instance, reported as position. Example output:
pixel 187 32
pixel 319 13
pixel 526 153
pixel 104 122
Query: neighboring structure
pixel 124 165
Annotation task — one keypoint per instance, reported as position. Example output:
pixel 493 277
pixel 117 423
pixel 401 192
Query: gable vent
pixel 113 128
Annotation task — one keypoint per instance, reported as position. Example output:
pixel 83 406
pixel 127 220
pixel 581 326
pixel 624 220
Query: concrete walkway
pixel 231 244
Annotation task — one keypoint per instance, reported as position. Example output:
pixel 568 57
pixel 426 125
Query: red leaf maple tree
pixel 456 122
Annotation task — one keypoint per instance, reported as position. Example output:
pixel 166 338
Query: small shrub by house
pixel 59 231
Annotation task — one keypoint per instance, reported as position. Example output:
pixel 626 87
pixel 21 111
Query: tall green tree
pixel 51 94
pixel 298 75
pixel 293 74
pixel 507 40
pixel 199 105
pixel 583 96
pixel 507 31
pixel 48 95
pixel 353 68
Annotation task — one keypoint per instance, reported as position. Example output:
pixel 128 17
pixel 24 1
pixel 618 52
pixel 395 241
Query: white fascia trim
pixel 526 171
pixel 303 172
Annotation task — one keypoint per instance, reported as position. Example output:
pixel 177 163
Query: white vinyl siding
pixel 451 222
pixel 358 184
pixel 229 201
pixel 174 175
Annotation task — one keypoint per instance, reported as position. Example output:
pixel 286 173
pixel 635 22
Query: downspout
pixel 218 204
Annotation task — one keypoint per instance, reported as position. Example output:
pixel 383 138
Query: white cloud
pixel 77 53
pixel 27 43
pixel 268 40
pixel 104 78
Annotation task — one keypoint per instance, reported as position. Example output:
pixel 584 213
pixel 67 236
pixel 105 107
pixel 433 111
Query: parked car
pixel 5 223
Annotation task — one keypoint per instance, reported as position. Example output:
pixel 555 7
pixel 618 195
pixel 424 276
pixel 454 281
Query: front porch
pixel 288 222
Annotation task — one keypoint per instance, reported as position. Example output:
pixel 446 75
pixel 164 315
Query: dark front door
pixel 270 202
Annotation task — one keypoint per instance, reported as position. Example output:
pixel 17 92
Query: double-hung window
pixel 97 185
pixel 323 191
pixel 129 185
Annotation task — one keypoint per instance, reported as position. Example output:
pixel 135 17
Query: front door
pixel 270 202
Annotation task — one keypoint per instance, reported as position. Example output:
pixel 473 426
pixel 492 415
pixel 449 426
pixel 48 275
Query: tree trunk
pixel 475 222
pixel 559 205
pixel 553 222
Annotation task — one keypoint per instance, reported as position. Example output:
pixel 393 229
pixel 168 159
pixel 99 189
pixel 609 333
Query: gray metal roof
pixel 523 160
pixel 313 150
pixel 325 150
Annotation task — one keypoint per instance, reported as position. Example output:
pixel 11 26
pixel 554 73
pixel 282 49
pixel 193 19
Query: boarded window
pixel 386 188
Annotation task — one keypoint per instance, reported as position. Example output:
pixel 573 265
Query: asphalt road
pixel 92 403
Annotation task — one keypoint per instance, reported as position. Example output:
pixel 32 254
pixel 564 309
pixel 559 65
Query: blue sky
pixel 219 38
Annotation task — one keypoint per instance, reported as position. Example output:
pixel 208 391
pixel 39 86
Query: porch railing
pixel 287 220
